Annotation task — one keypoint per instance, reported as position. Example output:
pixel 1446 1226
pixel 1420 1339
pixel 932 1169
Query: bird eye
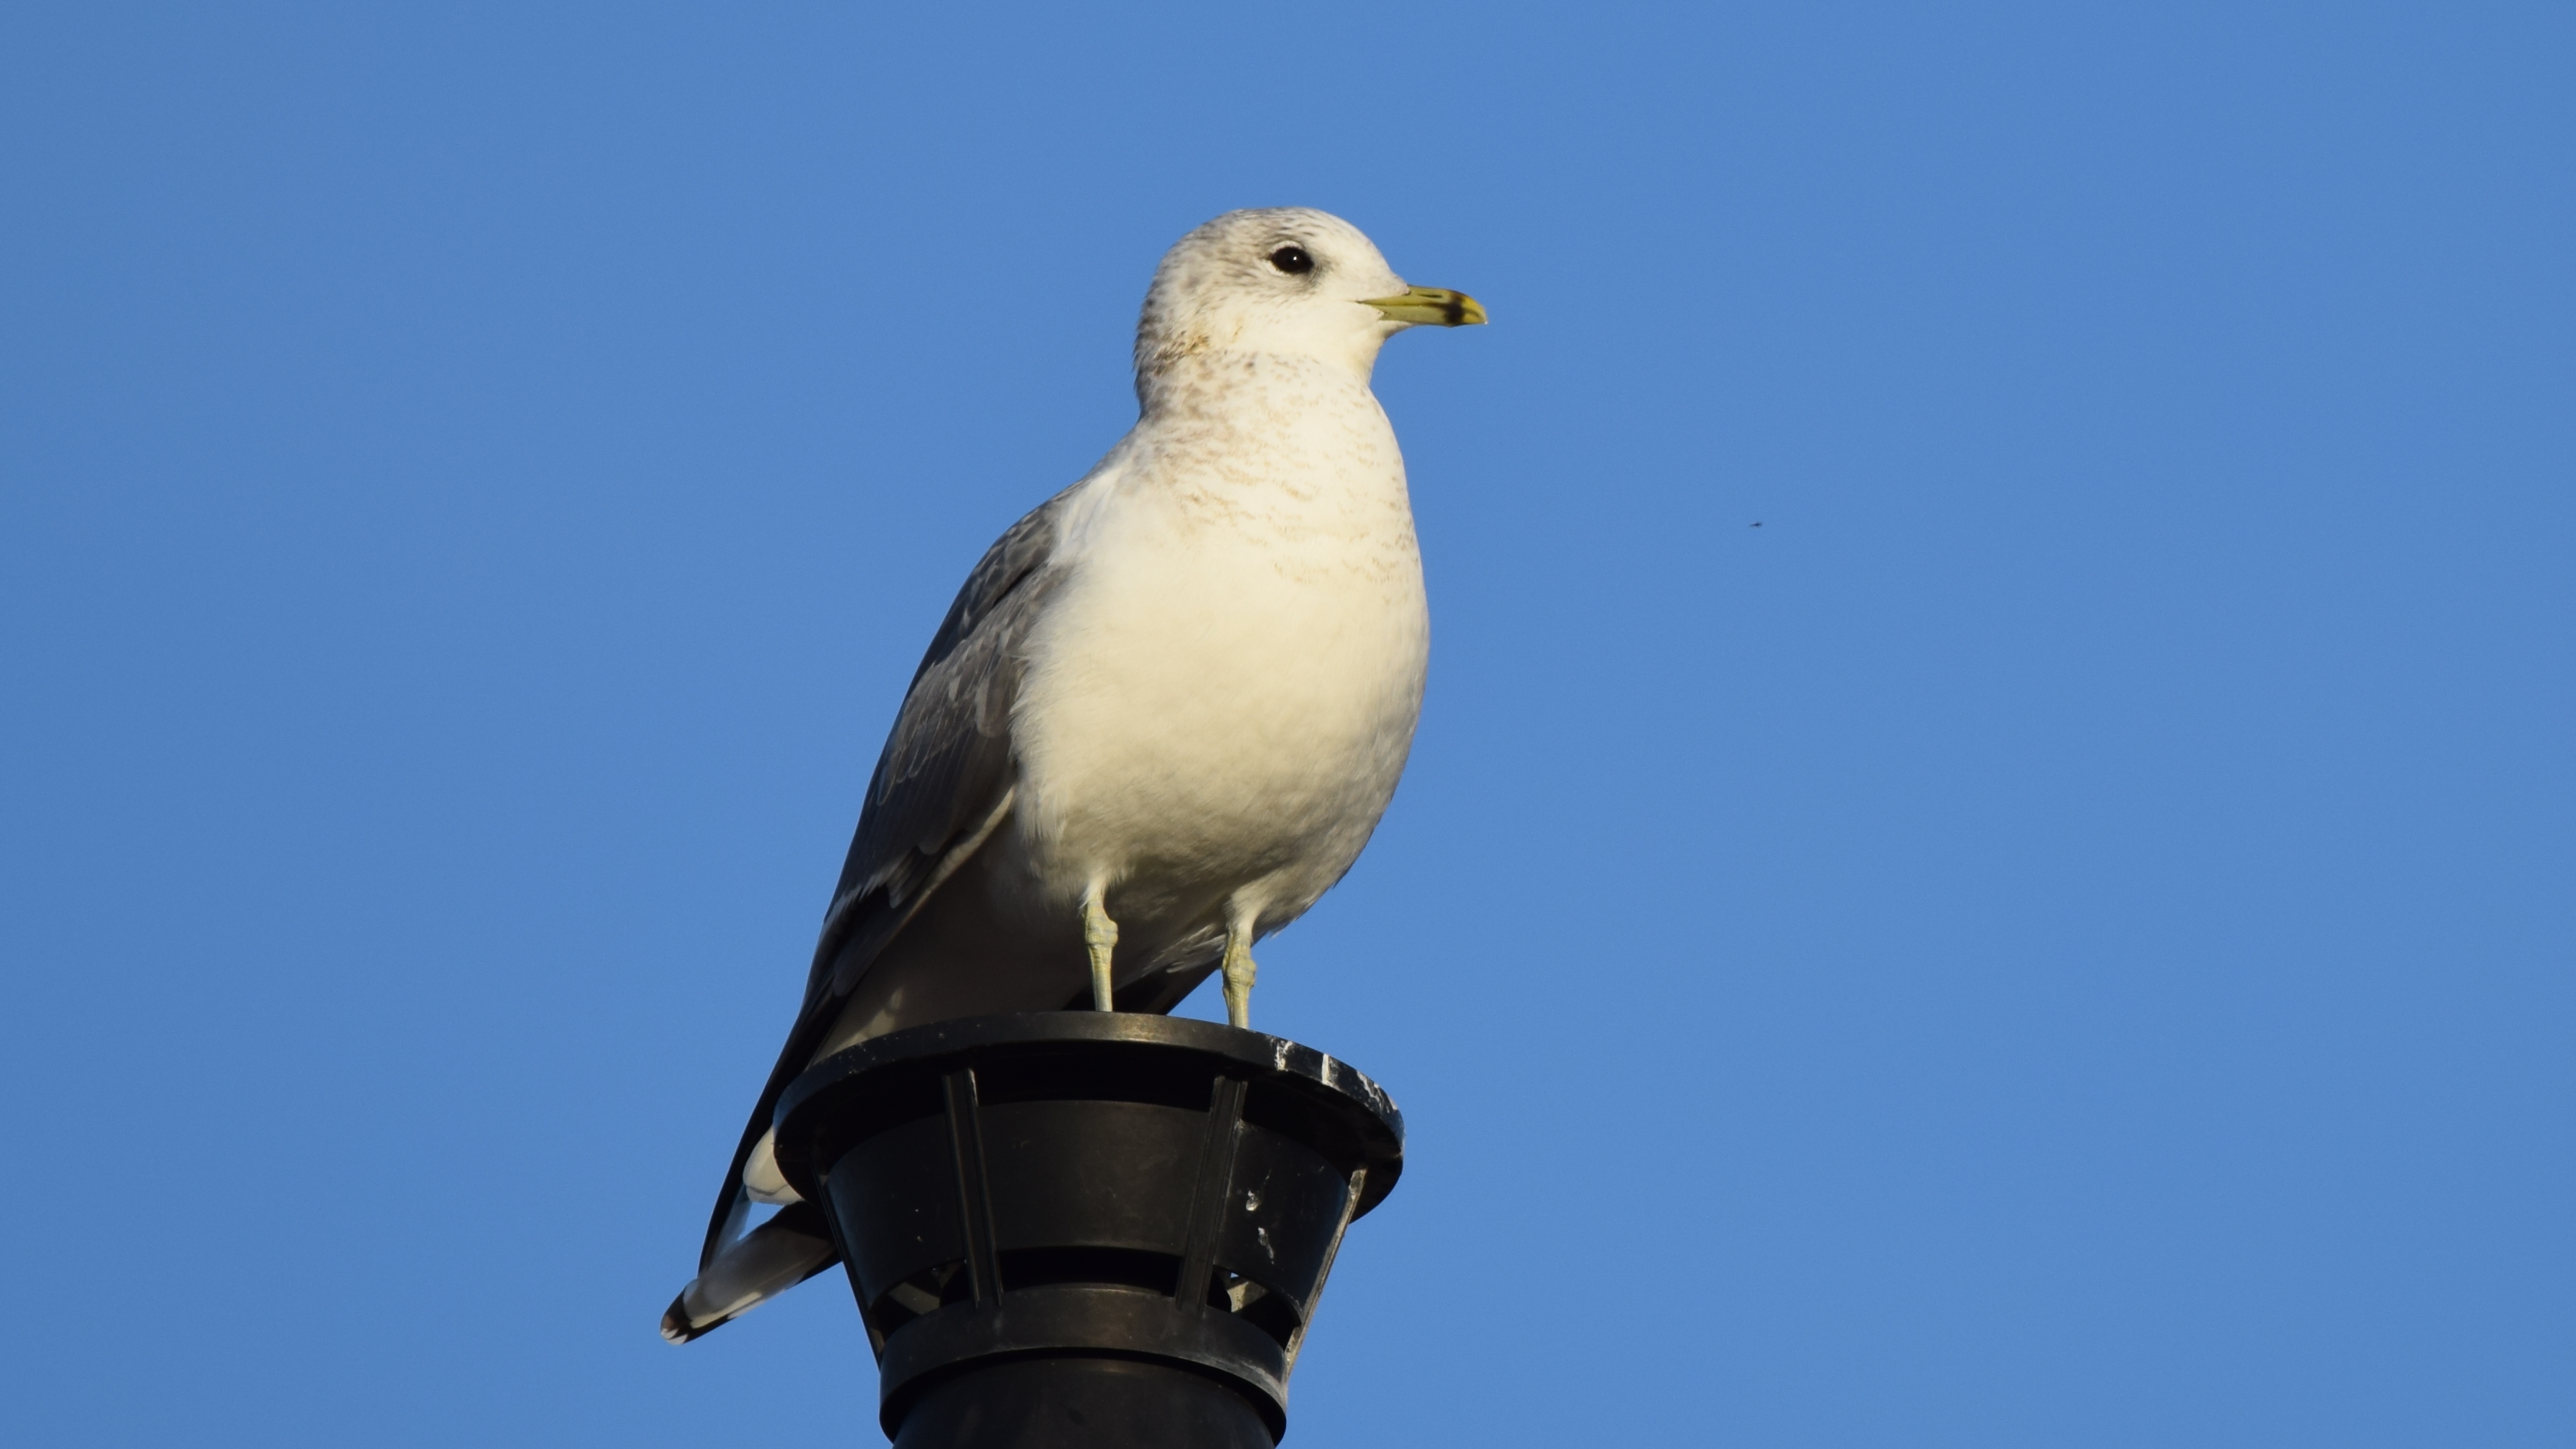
pixel 1292 260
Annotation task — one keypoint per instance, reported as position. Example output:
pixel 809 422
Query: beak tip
pixel 1431 306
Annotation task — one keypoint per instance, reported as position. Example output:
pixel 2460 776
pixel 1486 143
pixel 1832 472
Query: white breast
pixel 1223 697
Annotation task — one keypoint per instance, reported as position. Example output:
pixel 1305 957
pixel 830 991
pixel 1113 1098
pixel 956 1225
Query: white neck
pixel 1186 357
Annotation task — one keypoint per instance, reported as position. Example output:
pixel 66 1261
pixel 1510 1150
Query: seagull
pixel 1161 718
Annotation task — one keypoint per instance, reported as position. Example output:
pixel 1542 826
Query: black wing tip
pixel 676 1327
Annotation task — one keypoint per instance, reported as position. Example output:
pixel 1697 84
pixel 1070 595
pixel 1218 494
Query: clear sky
pixel 1989 859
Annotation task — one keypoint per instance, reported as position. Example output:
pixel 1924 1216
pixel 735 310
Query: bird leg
pixel 1238 972
pixel 1100 937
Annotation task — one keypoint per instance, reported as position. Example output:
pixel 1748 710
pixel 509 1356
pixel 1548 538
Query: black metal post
pixel 1087 1228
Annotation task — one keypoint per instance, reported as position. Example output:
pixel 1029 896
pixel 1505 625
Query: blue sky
pixel 2059 936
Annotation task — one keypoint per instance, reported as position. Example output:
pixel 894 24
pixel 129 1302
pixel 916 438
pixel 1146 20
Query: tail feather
pixel 765 1262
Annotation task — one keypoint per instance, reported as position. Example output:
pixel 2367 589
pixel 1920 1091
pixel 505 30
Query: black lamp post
pixel 1087 1228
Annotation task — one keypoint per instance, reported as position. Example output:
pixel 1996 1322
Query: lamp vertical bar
pixel 974 1195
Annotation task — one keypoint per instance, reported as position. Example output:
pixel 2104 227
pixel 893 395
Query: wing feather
pixel 940 787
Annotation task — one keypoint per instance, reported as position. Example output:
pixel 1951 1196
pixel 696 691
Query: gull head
pixel 1281 281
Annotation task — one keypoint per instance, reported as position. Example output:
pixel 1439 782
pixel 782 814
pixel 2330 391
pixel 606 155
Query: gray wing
pixel 945 773
pixel 947 764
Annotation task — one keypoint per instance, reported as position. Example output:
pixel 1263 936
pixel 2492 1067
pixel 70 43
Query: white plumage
pixel 1163 716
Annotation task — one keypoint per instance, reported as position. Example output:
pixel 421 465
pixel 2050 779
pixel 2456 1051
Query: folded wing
pixel 941 787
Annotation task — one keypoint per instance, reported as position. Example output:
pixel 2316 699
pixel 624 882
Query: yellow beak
pixel 1436 305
